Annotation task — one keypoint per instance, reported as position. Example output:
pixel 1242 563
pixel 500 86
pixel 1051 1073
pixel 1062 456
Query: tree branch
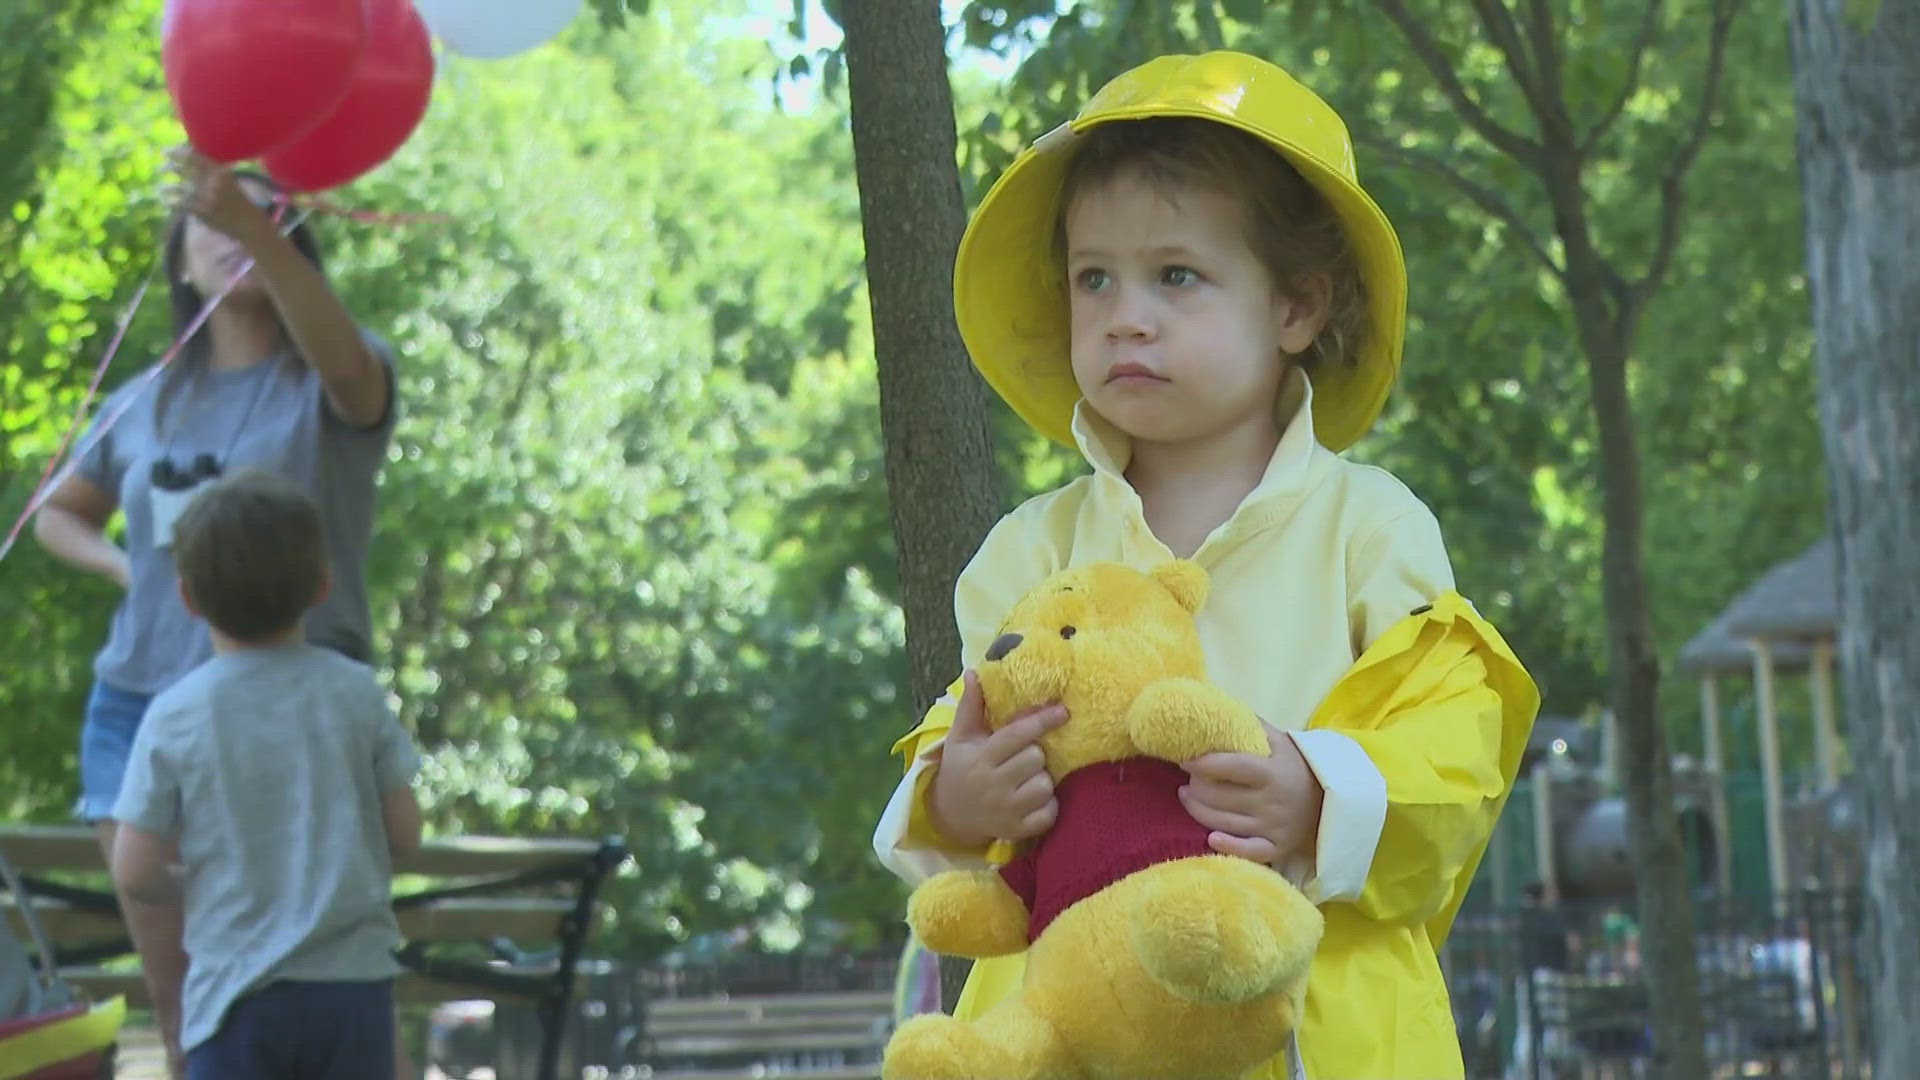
pixel 1427 48
pixel 1642 41
pixel 1499 23
pixel 1488 200
pixel 1672 187
pixel 1208 21
pixel 1546 58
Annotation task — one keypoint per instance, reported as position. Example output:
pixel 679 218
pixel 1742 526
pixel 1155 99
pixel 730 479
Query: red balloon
pixel 384 104
pixel 249 75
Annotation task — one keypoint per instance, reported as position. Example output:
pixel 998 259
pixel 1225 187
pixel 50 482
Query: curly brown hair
pixel 1295 232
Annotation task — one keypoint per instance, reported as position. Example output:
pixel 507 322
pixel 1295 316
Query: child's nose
pixel 1132 316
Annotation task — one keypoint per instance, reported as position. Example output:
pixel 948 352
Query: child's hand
pixel 1260 808
pixel 993 785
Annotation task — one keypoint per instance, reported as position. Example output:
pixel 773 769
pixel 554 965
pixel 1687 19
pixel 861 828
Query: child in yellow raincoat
pixel 1188 284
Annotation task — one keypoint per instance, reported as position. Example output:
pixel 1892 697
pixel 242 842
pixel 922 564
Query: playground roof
pixel 1794 603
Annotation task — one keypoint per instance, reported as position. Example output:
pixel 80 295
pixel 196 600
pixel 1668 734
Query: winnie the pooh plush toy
pixel 1149 956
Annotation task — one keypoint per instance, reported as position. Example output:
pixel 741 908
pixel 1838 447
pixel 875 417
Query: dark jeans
pixel 302 1031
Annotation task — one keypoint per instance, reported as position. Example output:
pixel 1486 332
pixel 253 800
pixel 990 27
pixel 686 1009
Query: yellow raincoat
pixel 1444 709
pixel 1333 614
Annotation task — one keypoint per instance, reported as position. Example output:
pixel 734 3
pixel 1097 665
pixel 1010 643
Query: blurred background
pixel 635 573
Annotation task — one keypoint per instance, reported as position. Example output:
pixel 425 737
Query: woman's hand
pixel 208 191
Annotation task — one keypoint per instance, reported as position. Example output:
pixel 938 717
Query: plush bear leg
pixel 1221 930
pixel 1008 1043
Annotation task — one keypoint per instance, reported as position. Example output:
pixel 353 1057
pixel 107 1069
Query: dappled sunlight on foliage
pixel 634 570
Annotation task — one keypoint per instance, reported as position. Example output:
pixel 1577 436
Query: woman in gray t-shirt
pixel 278 378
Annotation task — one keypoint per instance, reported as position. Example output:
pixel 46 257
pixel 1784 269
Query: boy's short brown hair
pixel 1291 226
pixel 252 555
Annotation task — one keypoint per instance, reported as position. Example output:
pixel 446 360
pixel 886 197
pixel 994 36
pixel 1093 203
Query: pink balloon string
pixel 79 415
pixel 49 483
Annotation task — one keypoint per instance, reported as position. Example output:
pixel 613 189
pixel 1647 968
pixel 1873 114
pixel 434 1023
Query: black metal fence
pixel 1539 992
pixel 1558 992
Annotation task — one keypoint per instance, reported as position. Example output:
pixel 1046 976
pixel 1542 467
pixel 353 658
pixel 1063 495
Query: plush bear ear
pixel 1185 580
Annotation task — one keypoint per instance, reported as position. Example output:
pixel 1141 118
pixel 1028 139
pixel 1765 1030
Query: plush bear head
pixel 1092 638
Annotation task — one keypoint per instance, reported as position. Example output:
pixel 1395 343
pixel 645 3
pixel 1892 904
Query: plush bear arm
pixel 1181 719
pixel 971 913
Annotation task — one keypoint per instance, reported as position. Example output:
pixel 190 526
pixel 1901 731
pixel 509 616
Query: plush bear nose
pixel 1003 645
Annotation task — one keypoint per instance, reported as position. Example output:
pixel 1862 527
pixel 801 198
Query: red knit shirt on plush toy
pixel 1115 817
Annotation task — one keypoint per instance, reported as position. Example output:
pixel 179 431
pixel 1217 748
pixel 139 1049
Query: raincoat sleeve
pixel 1013 558
pixel 1442 709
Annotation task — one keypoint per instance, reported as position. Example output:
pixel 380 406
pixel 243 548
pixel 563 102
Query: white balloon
pixel 496 29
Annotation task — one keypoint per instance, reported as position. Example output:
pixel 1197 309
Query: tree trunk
pixel 933 408
pixel 1662 887
pixel 1607 327
pixel 1855 72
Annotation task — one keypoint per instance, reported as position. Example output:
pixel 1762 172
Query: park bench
pixel 814 1034
pixel 487 890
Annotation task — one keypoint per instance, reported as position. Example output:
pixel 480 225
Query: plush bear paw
pixel 1006 1044
pixel 969 913
pixel 930 1047
pixel 1219 930
pixel 1180 719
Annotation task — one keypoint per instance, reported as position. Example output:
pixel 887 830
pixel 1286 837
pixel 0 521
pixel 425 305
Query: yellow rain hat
pixel 1010 293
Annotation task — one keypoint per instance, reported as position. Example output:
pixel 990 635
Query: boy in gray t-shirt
pixel 279 780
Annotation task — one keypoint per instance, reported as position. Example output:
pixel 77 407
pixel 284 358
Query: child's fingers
pixel 1221 795
pixel 1233 768
pixel 969 713
pixel 1024 764
pixel 1022 732
pixel 1257 849
pixel 1039 821
pixel 1032 795
pixel 1214 817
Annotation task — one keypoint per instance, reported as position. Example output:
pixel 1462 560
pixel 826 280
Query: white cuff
pixel 1351 816
pixel 913 864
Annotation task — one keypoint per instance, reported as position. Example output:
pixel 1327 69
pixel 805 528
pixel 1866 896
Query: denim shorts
pixel 106 743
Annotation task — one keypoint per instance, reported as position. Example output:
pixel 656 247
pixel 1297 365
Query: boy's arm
pixel 146 865
pixel 400 812
pixel 145 849
pixel 1012 558
pixel 396 761
pixel 1437 712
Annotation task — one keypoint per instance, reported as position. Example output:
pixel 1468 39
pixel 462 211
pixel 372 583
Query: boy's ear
pixel 186 597
pixel 326 587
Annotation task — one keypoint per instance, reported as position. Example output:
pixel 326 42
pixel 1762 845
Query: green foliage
pixel 634 569
pixel 82 144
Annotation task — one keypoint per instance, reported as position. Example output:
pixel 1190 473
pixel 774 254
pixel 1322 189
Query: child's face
pixel 1179 333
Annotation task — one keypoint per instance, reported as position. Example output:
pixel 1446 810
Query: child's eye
pixel 1092 279
pixel 1178 276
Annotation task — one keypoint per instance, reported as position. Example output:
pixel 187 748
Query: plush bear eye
pixel 1068 632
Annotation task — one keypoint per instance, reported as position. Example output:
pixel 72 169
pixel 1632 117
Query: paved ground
pixel 142 1059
